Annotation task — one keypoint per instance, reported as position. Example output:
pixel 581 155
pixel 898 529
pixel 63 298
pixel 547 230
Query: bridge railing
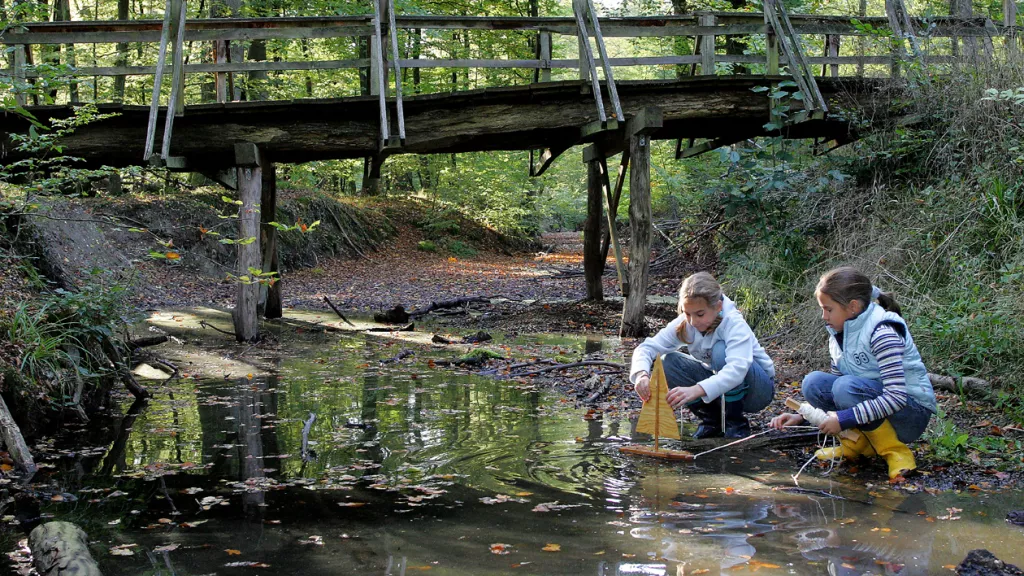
pixel 848 45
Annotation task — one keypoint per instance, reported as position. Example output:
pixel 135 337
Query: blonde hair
pixel 846 284
pixel 699 285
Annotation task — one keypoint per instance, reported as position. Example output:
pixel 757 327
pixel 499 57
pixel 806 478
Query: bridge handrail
pixel 727 23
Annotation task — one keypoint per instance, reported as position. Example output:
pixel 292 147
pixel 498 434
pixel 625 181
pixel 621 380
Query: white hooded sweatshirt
pixel 741 349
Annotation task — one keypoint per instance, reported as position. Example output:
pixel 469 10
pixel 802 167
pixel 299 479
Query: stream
pixel 411 468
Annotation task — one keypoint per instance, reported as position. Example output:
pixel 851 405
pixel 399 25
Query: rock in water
pixel 984 563
pixel 1016 517
pixel 61 549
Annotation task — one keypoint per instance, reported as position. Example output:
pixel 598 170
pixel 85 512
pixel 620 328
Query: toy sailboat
pixel 658 419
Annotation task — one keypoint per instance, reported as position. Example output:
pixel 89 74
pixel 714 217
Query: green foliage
pixel 460 249
pixel 948 442
pixel 426 246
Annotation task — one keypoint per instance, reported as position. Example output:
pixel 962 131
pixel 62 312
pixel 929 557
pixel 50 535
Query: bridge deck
pixel 537 116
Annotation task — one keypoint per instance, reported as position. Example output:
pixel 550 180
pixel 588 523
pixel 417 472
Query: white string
pixel 813 415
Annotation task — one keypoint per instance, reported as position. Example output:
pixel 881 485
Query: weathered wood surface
pixel 593 264
pixel 537 116
pixel 250 178
pixel 726 23
pixel 61 549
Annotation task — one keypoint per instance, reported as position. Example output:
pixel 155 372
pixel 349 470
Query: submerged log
pixel 62 549
pixel 147 341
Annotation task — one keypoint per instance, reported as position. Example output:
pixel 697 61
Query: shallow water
pixel 412 469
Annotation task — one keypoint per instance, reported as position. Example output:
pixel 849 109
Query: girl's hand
pixel 684 395
pixel 831 424
pixel 783 420
pixel 643 387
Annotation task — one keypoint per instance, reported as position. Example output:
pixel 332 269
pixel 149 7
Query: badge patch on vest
pixel 860 358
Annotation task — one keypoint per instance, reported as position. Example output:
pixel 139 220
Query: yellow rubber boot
pixel 897 455
pixel 849 449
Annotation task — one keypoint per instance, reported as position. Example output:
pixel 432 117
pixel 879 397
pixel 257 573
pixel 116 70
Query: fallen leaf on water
pixel 500 548
pixel 233 552
pixel 949 567
pixel 419 568
pixel 246 565
pixel 167 548
pixel 847 520
pixel 552 548
pixel 351 504
pixel 165 521
pixel 524 493
pixel 730 490
pixel 123 550
pixel 701 571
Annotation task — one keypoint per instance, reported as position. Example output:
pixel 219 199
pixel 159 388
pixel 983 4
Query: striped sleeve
pixel 888 347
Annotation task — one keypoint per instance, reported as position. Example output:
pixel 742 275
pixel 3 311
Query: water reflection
pixel 418 469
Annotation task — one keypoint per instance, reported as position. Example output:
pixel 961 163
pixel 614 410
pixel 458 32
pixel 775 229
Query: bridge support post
pixel 270 294
pixel 593 266
pixel 639 130
pixel 250 180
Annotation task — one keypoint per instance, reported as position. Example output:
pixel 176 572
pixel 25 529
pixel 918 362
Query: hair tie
pixel 875 292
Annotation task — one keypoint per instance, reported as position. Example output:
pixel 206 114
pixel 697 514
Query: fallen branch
pixel 403 354
pixel 445 304
pixel 965 383
pixel 621 368
pixel 336 311
pixel 205 324
pixel 121 368
pixel 407 328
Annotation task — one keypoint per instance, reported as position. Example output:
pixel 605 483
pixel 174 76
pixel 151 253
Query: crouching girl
pixel 878 383
pixel 726 373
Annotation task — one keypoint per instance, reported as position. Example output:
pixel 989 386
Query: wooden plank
pixel 244 316
pixel 611 235
pixel 378 72
pixel 220 57
pixel 161 61
pixel 587 59
pixel 247 154
pixel 593 266
pixel 176 102
pixel 646 121
pixel 1009 13
pixel 19 75
pixel 608 76
pixel 545 56
pixel 393 33
pixel 633 324
pixel 707 47
pixel 832 51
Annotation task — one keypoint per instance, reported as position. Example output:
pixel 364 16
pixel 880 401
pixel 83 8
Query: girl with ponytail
pixel 725 364
pixel 877 383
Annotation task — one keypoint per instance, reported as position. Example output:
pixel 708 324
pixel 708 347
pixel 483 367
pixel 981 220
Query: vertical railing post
pixel 862 42
pixel 1010 21
pixel 220 79
pixel 545 56
pixel 707 46
pixel 19 75
pixel 831 51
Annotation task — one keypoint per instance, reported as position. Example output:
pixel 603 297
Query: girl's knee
pixel 848 391
pixel 814 384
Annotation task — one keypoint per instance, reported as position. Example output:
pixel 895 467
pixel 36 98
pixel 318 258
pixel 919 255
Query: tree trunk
pixel 14 441
pixel 593 266
pixel 633 324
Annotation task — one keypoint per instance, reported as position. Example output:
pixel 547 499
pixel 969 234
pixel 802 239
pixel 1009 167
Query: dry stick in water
pixel 336 311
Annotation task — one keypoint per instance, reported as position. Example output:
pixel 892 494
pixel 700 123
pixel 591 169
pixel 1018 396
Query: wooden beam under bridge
pixel 516 118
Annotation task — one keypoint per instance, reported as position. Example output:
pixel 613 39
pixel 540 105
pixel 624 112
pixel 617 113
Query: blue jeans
pixel 833 393
pixel 756 390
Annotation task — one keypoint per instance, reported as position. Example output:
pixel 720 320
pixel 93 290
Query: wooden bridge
pixel 697 99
